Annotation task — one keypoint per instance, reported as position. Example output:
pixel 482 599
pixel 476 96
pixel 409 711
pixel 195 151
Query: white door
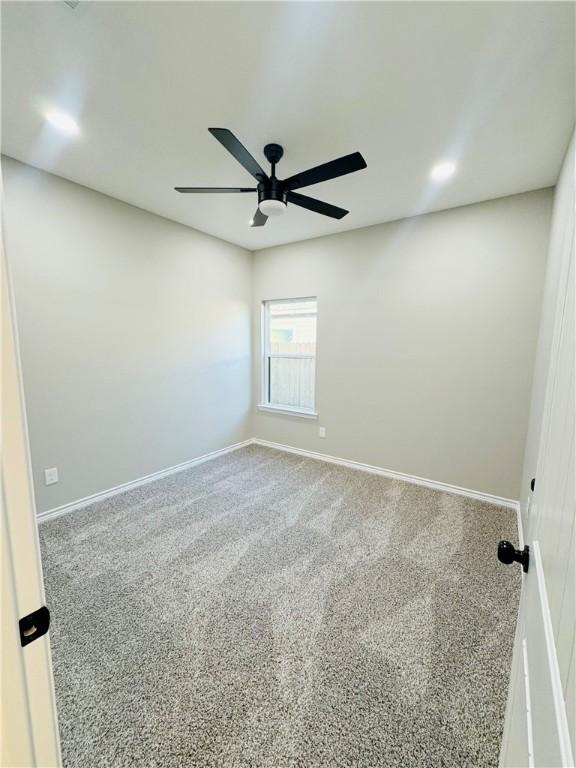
pixel 29 725
pixel 539 728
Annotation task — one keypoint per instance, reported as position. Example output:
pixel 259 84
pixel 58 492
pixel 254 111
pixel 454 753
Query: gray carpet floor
pixel 264 609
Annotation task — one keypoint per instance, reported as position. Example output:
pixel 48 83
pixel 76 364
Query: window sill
pixel 287 411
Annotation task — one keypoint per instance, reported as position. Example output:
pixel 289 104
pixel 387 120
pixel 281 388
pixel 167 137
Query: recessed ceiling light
pixel 443 171
pixel 64 122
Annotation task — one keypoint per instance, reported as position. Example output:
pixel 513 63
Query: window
pixel 289 355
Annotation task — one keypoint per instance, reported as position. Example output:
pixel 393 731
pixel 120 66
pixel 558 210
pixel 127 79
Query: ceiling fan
pixel 275 194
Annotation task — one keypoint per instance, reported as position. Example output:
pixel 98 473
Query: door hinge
pixel 34 625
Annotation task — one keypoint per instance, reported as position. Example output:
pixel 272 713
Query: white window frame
pixel 265 404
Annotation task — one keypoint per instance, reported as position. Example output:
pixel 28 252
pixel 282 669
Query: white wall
pixel 134 335
pixel 426 337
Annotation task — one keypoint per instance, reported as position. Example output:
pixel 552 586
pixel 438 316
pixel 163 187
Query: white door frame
pixel 537 725
pixel 29 718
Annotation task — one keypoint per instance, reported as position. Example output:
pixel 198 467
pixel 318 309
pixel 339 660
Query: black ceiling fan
pixel 274 194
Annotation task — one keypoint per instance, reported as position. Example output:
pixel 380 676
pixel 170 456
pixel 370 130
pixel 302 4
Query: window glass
pixel 290 353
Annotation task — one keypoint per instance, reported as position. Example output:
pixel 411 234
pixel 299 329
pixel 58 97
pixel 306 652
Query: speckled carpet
pixel 264 609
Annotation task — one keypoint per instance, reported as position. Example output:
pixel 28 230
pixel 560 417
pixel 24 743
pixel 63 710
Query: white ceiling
pixel 489 85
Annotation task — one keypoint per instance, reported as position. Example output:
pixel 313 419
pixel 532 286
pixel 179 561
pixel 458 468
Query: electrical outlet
pixel 51 476
pixel 321 431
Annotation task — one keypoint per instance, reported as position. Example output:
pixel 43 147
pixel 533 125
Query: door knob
pixel 508 554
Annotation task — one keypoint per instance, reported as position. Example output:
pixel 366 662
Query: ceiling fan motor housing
pixel 272 189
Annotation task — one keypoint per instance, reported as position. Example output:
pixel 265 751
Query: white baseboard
pixel 434 484
pixel 49 514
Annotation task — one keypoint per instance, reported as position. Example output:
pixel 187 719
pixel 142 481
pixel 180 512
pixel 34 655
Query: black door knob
pixel 508 554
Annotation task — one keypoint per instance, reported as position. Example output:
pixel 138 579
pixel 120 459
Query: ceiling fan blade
pixel 331 170
pixel 239 151
pixel 316 205
pixel 215 189
pixel 259 219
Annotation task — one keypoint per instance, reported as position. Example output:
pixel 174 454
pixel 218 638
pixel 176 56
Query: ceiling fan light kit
pixel 274 194
pixel 272 207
